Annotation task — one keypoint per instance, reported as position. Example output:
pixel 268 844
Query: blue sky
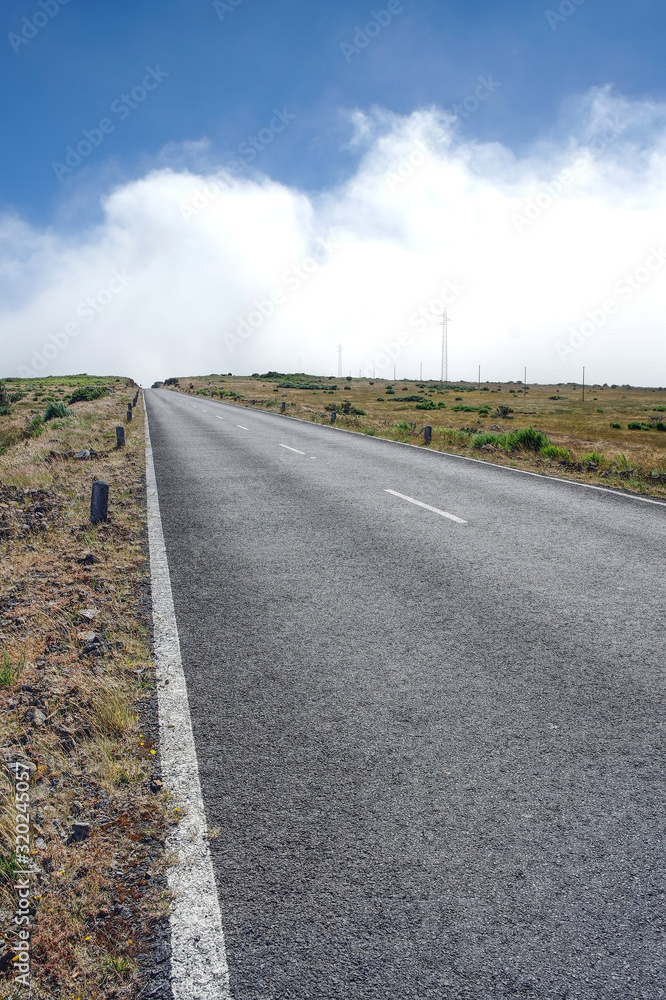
pixel 204 149
pixel 228 70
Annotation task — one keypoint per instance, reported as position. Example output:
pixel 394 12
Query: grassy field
pixel 75 681
pixel 615 437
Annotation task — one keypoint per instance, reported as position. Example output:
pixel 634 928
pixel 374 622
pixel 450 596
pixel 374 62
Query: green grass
pixel 556 451
pixel 527 439
pixel 10 673
pixel 54 410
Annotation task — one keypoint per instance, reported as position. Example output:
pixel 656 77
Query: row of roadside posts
pixel 99 502
pixel 427 431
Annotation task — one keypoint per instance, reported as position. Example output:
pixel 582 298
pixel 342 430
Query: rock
pixel 82 455
pixel 155 785
pixel 80 831
pixel 591 467
pixel 89 614
pixel 36 716
pixel 87 559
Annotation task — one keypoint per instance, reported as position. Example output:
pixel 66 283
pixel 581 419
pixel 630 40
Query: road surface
pixel 433 745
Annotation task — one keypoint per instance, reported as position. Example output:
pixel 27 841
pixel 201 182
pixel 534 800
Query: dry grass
pixel 633 460
pixel 76 716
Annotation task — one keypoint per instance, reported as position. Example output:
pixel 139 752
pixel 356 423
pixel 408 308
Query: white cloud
pixel 538 241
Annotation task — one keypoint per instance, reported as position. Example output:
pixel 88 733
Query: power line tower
pixel 445 347
pixel 339 360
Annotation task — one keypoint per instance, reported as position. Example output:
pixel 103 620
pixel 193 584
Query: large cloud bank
pixel 554 260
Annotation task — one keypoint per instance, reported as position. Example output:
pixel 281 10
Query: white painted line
pixel 242 428
pixel 198 956
pixel 204 409
pixel 292 449
pixel 426 506
pixel 219 417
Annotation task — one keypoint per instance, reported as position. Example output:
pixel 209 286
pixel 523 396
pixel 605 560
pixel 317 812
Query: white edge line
pixel 426 506
pixel 621 494
pixel 199 969
pixel 242 428
pixel 289 448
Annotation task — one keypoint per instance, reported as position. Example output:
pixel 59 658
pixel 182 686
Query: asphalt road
pixel 434 750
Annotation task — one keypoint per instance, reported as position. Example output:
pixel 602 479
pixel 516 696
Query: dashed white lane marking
pixel 204 409
pixel 242 428
pixel 198 956
pixel 219 417
pixel 426 506
pixel 292 449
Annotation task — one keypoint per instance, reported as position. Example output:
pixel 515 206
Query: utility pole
pixel 421 372
pixel 444 375
pixel 583 383
pixel 394 373
pixel 339 360
pixel 479 385
pixel 525 383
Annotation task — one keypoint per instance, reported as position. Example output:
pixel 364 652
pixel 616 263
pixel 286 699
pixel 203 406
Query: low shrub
pixel 86 393
pixel 593 456
pixel 616 427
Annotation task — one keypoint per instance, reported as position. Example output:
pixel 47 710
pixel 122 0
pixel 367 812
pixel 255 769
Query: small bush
pixel 636 425
pixel 427 404
pixel 86 393
pixel 616 427
pixel 55 410
pixel 593 456
pixel 380 399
